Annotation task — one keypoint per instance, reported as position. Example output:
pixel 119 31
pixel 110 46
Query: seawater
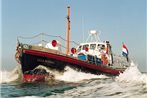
pixel 73 84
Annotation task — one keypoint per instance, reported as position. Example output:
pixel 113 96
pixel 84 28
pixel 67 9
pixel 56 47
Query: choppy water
pixel 72 84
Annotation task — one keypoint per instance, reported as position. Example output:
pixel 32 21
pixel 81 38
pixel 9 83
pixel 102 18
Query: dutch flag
pixel 125 51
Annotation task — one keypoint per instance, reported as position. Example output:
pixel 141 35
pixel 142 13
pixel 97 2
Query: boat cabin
pixel 93 48
pixel 95 52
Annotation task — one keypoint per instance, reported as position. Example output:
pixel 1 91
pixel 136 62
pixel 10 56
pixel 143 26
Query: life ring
pixel 17 56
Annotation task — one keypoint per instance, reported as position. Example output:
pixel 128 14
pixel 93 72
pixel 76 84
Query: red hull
pixel 33 78
pixel 73 61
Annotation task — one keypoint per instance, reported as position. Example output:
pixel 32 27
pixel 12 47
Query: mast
pixel 68 30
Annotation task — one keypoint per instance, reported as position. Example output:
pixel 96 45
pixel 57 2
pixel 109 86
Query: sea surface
pixel 73 84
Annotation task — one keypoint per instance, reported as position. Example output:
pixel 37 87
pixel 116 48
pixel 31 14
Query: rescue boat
pixel 94 56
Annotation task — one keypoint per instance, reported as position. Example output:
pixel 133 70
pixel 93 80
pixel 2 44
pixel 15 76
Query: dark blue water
pixel 34 89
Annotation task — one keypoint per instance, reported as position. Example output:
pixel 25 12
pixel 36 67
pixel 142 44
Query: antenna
pixel 83 27
pixel 93 36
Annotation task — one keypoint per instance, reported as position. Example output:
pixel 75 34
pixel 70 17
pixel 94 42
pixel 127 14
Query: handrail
pixel 44 34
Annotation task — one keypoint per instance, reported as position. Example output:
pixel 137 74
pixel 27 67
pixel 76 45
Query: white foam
pixel 30 97
pixel 71 75
pixel 9 76
pixel 133 75
pixel 74 76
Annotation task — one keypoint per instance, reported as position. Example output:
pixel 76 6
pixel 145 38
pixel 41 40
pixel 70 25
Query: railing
pixel 43 39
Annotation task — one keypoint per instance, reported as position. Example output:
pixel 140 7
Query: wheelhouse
pixel 94 46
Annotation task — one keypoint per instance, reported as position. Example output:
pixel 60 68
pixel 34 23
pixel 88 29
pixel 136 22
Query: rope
pixel 29 37
pixel 41 34
pixel 61 38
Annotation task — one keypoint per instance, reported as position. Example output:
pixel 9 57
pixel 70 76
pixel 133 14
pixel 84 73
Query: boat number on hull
pixel 44 61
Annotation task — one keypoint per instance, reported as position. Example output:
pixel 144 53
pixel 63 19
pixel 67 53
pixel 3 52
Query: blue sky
pixel 118 20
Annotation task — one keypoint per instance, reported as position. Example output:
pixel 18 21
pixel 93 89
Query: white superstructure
pixel 97 48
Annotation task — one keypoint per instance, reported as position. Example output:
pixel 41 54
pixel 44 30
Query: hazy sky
pixel 118 20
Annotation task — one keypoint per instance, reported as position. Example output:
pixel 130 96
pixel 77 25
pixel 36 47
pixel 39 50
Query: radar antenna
pixel 93 36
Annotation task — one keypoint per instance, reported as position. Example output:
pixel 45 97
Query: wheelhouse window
pixel 79 48
pixel 85 46
pixel 101 46
pixel 92 46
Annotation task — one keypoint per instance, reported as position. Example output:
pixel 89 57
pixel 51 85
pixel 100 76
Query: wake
pixel 132 75
pixel 12 76
pixel 70 75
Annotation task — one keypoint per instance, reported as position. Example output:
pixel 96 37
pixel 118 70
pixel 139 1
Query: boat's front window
pixel 101 46
pixel 79 49
pixel 93 46
pixel 85 46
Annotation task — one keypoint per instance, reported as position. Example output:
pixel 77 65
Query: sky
pixel 117 20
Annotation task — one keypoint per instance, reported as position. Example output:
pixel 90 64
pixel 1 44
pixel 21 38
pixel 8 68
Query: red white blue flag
pixel 125 51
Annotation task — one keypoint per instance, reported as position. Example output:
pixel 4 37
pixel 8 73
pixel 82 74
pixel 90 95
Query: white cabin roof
pixel 93 43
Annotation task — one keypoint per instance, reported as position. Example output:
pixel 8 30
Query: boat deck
pixel 43 49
